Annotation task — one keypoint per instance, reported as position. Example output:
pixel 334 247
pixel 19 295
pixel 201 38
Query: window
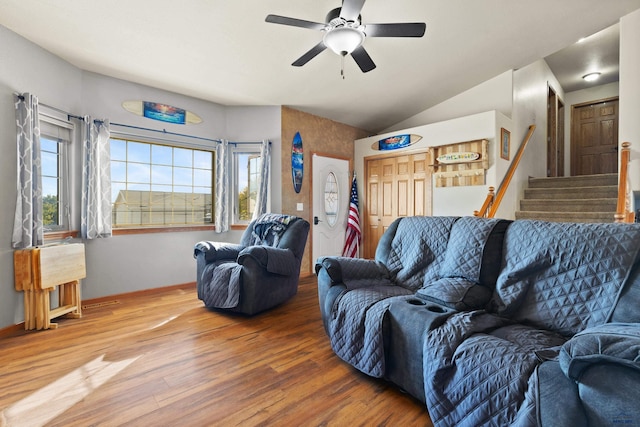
pixel 246 178
pixel 160 185
pixel 55 138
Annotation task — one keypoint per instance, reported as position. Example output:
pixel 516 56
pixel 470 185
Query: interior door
pixel 331 187
pixel 552 133
pixel 594 138
pixel 396 186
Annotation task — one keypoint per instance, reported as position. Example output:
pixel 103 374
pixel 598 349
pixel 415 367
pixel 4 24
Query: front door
pixel 594 138
pixel 331 191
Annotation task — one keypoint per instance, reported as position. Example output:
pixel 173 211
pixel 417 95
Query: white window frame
pixel 174 145
pixel 235 152
pixel 55 127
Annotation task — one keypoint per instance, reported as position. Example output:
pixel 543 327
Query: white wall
pixel 24 68
pixel 457 201
pixel 256 124
pixel 494 94
pixel 629 127
pixel 520 100
pixel 530 90
pixel 122 263
pixel 133 262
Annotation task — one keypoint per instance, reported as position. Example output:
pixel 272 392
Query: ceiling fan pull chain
pixel 342 66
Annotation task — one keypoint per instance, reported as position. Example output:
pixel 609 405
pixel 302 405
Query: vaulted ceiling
pixel 224 51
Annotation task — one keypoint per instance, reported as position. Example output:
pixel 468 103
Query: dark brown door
pixel 560 138
pixel 594 138
pixel 552 133
pixel 555 134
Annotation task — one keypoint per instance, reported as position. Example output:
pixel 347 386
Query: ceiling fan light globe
pixel 343 40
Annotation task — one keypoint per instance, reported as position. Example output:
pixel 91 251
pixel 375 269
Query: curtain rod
pixel 163 131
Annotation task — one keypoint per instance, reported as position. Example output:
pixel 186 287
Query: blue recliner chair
pixel 257 274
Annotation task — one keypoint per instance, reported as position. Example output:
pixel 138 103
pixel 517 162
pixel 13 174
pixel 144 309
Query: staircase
pixel 585 198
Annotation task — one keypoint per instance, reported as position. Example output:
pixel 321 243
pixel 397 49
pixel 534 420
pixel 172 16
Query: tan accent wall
pixel 319 135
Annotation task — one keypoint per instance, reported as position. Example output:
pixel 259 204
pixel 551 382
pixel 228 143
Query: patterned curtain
pixel 27 223
pixel 222 187
pixel 95 219
pixel 263 191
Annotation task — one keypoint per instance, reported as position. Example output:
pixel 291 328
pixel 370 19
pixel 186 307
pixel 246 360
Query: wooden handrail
pixel 487 202
pixel 623 211
pixel 494 202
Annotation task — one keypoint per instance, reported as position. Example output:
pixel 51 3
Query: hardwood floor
pixel 165 360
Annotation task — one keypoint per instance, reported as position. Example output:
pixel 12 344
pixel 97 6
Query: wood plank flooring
pixel 165 360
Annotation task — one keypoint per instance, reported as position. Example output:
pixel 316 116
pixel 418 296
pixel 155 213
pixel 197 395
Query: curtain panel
pixel 222 187
pixel 263 188
pixel 95 221
pixel 27 224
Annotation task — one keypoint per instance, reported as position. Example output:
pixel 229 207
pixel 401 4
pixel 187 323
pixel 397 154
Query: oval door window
pixel 331 199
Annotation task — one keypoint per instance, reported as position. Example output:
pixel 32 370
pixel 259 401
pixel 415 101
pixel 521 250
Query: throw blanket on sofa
pixel 224 285
pixel 564 277
pixel 476 370
pixel 555 277
pixel 268 229
pixel 355 329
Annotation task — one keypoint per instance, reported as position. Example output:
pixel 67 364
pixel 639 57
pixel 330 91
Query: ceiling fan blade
pixel 351 9
pixel 409 29
pixel 312 53
pixel 277 19
pixel 363 59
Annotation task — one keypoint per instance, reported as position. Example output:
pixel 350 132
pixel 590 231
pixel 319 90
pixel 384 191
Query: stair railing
pixel 492 202
pixel 623 210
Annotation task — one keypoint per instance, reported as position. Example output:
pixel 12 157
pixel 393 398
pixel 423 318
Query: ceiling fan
pixel 344 33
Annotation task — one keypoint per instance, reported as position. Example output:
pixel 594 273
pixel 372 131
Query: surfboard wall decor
pixel 396 142
pixel 162 112
pixel 297 162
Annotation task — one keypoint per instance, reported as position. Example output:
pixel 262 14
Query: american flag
pixel 353 236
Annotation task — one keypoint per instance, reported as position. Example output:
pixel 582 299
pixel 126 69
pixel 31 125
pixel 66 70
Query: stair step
pixel 589 217
pixel 575 181
pixel 600 192
pixel 569 205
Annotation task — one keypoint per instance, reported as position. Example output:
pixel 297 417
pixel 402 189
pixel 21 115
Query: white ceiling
pixel 599 52
pixel 224 51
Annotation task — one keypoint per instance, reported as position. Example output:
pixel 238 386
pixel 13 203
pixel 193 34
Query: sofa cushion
pixel 476 369
pixel 417 249
pixel 470 266
pixel 626 309
pixel 456 292
pixel 564 277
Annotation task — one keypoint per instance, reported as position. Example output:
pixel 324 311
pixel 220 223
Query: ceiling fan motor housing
pixel 334 20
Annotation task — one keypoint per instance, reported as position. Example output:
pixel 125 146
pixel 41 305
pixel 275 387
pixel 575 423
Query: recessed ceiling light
pixel 591 77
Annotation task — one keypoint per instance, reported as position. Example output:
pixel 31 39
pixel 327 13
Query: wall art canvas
pixel 505 142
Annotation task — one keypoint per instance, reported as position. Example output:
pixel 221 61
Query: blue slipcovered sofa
pixel 493 322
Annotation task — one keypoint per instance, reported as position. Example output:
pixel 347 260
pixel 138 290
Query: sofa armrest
pixel 353 272
pixel 273 260
pixel 217 251
pixel 617 343
pixel 337 275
